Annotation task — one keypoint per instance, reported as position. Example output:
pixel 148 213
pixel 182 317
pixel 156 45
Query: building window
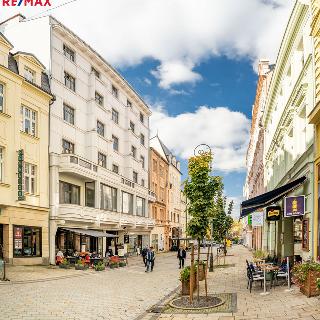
pixel 68 114
pixel 30 178
pixel 69 193
pixel 28 121
pixel 108 198
pixel 132 126
pixel 90 194
pixel 99 98
pixel 115 168
pixel 67 146
pixel 141 118
pixel 142 182
pixel 115 143
pixel 142 139
pixel 100 128
pixel 154 165
pixel 127 202
pixel 27 241
pixel 133 151
pixel 135 176
pixel 141 207
pixel 69 81
pixel 69 53
pixel 142 161
pixel 114 91
pixel 115 116
pixel 102 160
pixel 1 164
pixel 1 97
pixel 96 72
pixel 29 74
pixel 129 104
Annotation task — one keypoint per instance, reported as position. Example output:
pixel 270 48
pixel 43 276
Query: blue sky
pixel 192 61
pixel 225 82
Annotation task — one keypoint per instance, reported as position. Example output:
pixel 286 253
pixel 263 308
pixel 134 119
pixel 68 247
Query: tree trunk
pixel 206 272
pixel 198 282
pixel 191 274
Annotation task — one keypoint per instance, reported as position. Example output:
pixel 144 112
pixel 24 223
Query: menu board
pixel 305 234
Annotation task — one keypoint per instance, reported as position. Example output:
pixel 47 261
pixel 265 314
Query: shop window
pixel 26 241
pixel 28 120
pixel 108 198
pixel 69 193
pixel 127 202
pixel 297 231
pixel 90 194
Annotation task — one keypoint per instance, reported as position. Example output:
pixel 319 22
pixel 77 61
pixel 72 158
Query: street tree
pixel 201 188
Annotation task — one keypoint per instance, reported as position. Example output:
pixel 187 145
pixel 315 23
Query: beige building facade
pixel 24 171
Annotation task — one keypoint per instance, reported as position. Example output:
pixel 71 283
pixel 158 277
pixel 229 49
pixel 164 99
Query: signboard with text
pixel 294 206
pixel 257 219
pixel 273 213
pixel 21 196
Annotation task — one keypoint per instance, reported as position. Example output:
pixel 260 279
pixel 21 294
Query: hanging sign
pixel 21 196
pixel 126 238
pixel 294 206
pixel 257 219
pixel 273 213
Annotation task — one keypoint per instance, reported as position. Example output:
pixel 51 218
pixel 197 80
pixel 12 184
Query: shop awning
pixel 92 233
pixel 268 198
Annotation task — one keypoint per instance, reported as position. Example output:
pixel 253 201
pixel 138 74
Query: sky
pixel 193 61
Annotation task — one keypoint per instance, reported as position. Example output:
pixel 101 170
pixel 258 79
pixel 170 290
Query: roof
pixel 45 83
pixel 31 55
pixel 6 39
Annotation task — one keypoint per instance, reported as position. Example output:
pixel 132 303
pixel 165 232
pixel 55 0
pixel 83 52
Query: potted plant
pixel 122 264
pixel 64 264
pixel 185 281
pixel 259 255
pixel 80 265
pixel 306 275
pixel 202 269
pixel 113 264
pixel 100 266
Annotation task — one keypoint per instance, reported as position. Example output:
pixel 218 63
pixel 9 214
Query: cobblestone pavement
pixel 124 293
pixel 277 305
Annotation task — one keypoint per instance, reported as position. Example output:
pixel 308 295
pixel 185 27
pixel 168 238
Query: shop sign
pixel 126 238
pixel 273 213
pixel 294 206
pixel 249 220
pixel 257 219
pixel 21 196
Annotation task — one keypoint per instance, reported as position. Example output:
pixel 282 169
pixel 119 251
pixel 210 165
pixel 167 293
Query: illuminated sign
pixel 273 213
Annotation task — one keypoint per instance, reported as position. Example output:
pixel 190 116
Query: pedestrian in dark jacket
pixel 150 259
pixel 144 255
pixel 182 254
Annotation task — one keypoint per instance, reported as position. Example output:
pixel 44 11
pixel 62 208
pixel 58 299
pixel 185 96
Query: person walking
pixel 182 254
pixel 144 255
pixel 150 259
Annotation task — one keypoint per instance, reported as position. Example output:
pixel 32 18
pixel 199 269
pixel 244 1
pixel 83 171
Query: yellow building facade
pixel 24 171
pixel 314 118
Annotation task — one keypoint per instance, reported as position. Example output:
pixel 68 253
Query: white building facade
pixel 99 141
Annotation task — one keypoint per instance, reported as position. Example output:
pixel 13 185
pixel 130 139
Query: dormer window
pixel 69 53
pixel 29 74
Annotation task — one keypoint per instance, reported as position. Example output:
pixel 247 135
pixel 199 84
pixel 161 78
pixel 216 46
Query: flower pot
pixel 309 287
pixel 185 287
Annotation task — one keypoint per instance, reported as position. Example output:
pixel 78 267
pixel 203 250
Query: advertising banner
pixel 294 206
pixel 257 219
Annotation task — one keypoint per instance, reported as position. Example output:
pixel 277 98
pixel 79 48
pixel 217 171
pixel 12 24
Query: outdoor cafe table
pixel 267 268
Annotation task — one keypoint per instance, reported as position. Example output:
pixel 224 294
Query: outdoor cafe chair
pixel 253 277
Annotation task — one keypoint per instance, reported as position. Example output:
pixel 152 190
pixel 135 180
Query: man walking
pixel 182 254
pixel 144 255
pixel 150 259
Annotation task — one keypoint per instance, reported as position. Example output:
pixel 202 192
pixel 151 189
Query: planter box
pixel 113 266
pixel 309 287
pixel 64 266
pixel 185 287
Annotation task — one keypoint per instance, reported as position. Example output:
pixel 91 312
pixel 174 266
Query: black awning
pixel 267 198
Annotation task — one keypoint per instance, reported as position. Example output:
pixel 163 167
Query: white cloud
pixel 179 34
pixel 225 131
pixel 147 81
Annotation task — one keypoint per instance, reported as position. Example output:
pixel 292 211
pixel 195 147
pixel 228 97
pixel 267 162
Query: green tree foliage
pixel 221 220
pixel 201 189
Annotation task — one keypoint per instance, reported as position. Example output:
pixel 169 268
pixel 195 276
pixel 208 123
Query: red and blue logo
pixel 25 3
